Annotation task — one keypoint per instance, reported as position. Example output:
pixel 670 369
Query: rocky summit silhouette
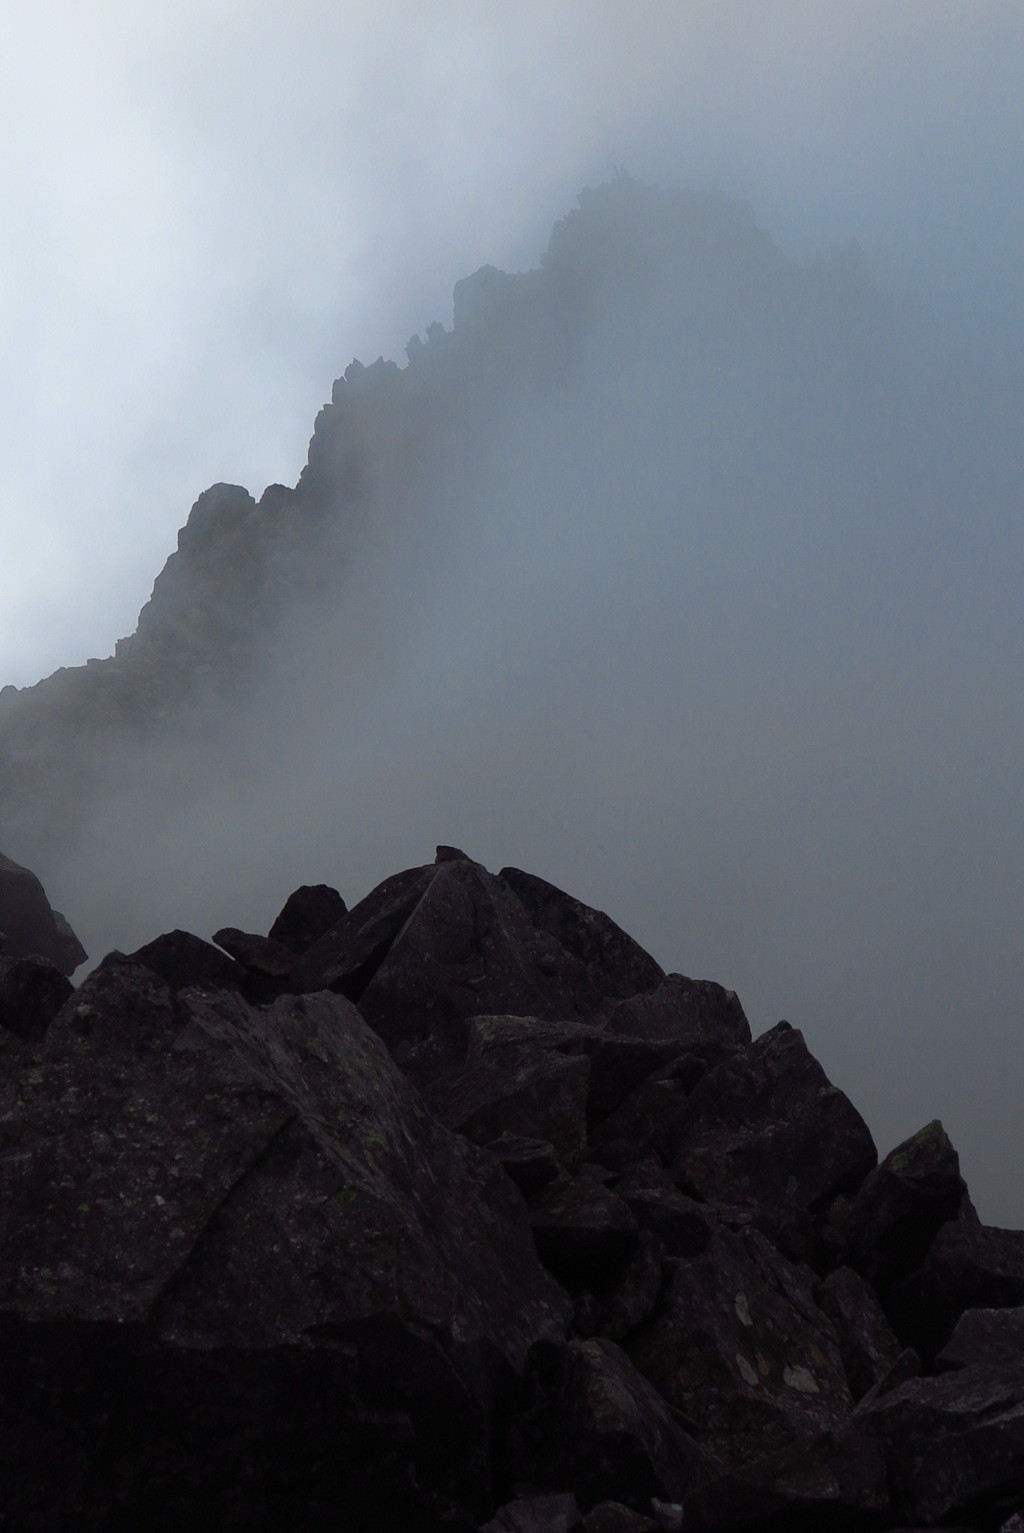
pixel 453 1211
pixel 546 352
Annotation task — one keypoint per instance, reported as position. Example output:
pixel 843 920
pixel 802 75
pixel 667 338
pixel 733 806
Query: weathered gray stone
pixel 740 1347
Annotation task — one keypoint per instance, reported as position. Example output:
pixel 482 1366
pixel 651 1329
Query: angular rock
pixel 451 854
pixel 218 1182
pixel 467 949
pixel 649 1122
pixel 525 1090
pixel 29 927
pixel 836 1481
pixel 612 1437
pixel 32 991
pixel 699 1014
pixel 684 1225
pixel 740 1347
pixel 584 1233
pixel 766 1125
pixel 867 1343
pixel 902 1205
pixel 182 959
pixel 613 1517
pixel 306 915
pixel 635 1292
pixel 968 1266
pixel 953 1445
pixel 616 1064
pixel 347 955
pixel 617 965
pixel 536 1514
pixel 994 1337
pixel 261 954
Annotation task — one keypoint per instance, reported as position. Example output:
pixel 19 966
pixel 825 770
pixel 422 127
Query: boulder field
pixel 453 1211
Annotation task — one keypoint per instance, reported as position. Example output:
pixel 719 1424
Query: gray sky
pixel 209 209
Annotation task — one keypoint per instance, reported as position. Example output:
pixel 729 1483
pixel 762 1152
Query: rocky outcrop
pixel 327 1234
pixel 29 928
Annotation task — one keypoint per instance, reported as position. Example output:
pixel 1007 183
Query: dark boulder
pixel 766 1125
pixel 617 965
pixel 685 1226
pixel 698 1013
pixel 306 915
pixel 648 1122
pixel 261 954
pixel 953 1445
pixel 867 1343
pixel 617 1064
pixel 348 954
pixel 524 1090
pixel 32 991
pixel 261 1198
pixel 612 1437
pixel 616 1313
pixel 181 959
pixel 467 949
pixel 29 927
pixel 994 1337
pixel 613 1517
pixel 584 1233
pixel 835 1482
pixel 740 1347
pixel 968 1266
pixel 537 1514
pixel 902 1205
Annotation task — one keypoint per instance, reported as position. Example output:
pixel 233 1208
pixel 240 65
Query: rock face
pixel 29 928
pixel 457 1213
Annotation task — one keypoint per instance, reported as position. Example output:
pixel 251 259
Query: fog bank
pixel 681 574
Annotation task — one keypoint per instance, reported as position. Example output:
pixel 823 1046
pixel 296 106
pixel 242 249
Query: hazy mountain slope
pixel 682 284
pixel 676 570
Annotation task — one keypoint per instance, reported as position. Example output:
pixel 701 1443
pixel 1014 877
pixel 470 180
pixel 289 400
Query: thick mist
pixel 701 602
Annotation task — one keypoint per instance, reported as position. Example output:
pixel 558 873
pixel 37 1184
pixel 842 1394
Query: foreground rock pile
pixel 453 1211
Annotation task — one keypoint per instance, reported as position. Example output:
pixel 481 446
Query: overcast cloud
pixel 209 209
